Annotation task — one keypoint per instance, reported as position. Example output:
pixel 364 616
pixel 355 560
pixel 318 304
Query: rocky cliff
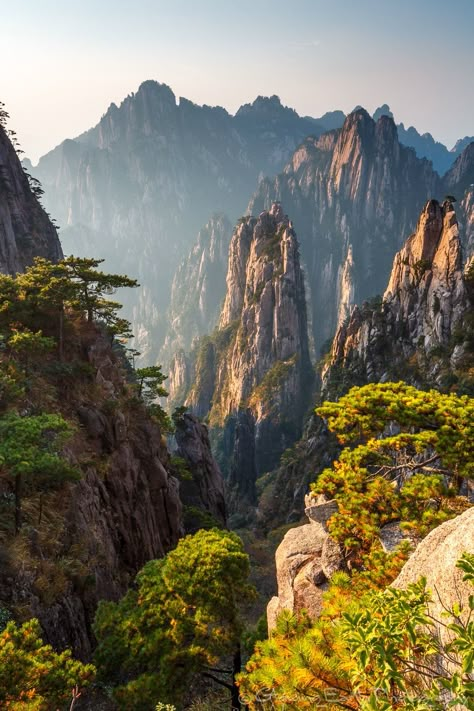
pixel 87 540
pixel 201 484
pixel 25 229
pixel 353 194
pixel 198 289
pixel 308 557
pixel 421 330
pixel 425 145
pixel 435 559
pixel 305 561
pixel 136 188
pixel 254 370
pixel 459 181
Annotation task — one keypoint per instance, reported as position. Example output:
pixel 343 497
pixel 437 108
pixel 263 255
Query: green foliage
pixel 272 381
pixel 5 618
pixel 45 291
pixel 180 469
pixel 30 454
pixel 33 676
pixel 182 616
pixel 150 388
pixel 410 476
pixel 91 287
pixel 378 651
pixel 29 347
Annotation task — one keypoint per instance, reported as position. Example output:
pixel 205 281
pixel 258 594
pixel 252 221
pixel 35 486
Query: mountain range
pixel 144 182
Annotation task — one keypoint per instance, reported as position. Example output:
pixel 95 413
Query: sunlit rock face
pixel 138 187
pixel 420 328
pixel 353 195
pixel 252 376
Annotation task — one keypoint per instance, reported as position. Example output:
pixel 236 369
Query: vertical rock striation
pixel 25 229
pixel 254 370
pixel 353 195
pixel 421 326
pixel 197 290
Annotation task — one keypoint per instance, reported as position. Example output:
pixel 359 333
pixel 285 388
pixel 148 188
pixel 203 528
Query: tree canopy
pixel 33 677
pixel 407 454
pixel 30 454
pixel 378 652
pixel 179 620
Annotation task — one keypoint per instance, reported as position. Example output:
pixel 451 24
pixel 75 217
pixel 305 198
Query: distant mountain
pixel 425 145
pixel 353 195
pixel 136 188
pixel 198 288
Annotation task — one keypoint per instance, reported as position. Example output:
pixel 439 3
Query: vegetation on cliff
pixel 409 453
pixel 374 651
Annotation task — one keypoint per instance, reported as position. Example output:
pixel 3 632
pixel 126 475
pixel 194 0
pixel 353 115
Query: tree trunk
pixel 236 668
pixel 17 503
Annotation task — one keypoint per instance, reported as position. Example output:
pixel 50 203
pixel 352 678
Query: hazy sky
pixel 62 62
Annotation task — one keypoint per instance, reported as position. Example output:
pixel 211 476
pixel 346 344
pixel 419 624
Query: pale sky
pixel 62 62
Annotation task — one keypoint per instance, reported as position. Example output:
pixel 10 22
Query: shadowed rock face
pixel 205 489
pixel 426 302
pixel 197 292
pixel 25 229
pixel 459 182
pixel 126 509
pixel 354 195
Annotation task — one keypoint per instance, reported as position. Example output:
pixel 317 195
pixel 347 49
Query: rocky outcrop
pixel 459 182
pixel 282 496
pixel 124 511
pixel 421 320
pixel 203 489
pixel 91 537
pixel 25 229
pixel 354 195
pixel 137 187
pixel 197 291
pixel 435 559
pixel 305 561
pixel 258 358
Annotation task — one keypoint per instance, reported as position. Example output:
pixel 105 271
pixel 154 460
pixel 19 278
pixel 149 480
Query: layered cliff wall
pixel 85 541
pixel 25 229
pixel 421 330
pixel 136 188
pixel 252 376
pixel 354 195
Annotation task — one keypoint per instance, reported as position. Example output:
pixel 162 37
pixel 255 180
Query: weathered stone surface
pixel 319 508
pixel 205 490
pixel 257 364
pixel 332 557
pixel 391 536
pixel 424 305
pixel 25 229
pixel 296 558
pixel 305 560
pixel 435 559
pixel 353 195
